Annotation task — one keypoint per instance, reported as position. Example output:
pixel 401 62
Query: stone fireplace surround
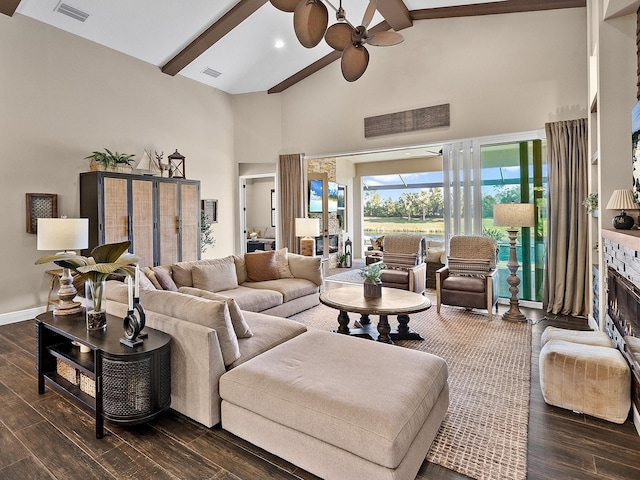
pixel 622 259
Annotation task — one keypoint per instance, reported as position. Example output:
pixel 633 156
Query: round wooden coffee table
pixel 350 298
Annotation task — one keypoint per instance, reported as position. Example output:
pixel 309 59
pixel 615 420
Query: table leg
pixel 364 319
pixel 343 321
pixel 384 329
pixel 404 332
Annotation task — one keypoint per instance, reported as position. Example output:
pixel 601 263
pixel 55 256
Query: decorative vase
pixel 623 221
pixel 373 289
pixel 96 315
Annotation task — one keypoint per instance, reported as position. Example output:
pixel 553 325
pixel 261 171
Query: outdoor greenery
pixel 206 235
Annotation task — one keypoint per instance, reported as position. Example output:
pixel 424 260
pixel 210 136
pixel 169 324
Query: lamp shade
pixel 513 215
pixel 307 227
pixel 63 233
pixel 622 200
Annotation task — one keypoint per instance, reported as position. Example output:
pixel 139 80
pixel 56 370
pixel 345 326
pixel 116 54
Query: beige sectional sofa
pixel 216 326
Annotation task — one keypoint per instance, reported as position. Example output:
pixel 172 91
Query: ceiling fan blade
pixel 338 36
pixel 354 62
pixel 310 20
pixel 385 39
pixel 369 12
pixel 285 5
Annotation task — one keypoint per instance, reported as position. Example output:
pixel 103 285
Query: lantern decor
pixel 347 252
pixel 176 165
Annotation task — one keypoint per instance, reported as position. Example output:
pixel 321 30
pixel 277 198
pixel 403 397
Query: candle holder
pixel 132 325
pixel 142 317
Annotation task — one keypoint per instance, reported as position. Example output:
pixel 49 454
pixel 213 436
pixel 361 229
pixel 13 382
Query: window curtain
pixel 291 198
pixel 567 263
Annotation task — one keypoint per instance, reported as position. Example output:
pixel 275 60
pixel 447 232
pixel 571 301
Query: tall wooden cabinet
pixel 160 216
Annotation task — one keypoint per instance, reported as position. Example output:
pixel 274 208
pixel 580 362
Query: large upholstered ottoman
pixel 339 407
pixel 590 379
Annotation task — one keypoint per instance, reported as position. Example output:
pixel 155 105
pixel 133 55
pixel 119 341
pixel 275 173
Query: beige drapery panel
pixel 567 262
pixel 291 198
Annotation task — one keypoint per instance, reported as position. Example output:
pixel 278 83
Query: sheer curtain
pixel 567 264
pixel 291 199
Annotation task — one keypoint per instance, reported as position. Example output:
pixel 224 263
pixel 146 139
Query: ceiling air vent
pixel 211 72
pixel 70 11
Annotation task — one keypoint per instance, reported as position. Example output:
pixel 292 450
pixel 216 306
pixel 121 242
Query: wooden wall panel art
pixel 407 121
pixel 40 205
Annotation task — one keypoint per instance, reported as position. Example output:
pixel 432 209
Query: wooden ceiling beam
pixel 495 8
pixel 396 14
pixel 8 7
pixel 230 20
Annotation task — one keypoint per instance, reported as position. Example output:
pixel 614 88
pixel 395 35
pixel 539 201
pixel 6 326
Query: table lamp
pixel 307 228
pixel 64 235
pixel 622 200
pixel 513 216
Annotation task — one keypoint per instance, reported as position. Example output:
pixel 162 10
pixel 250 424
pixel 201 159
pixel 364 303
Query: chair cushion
pixel 469 267
pixel 395 276
pixel 464 284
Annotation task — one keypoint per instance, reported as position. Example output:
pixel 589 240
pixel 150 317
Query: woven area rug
pixel 348 276
pixel 484 434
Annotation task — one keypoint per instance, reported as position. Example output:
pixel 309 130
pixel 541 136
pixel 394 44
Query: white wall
pixel 500 74
pixel 61 98
pixel 258 197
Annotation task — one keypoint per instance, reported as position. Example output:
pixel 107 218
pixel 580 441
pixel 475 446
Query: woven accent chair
pixel 403 256
pixel 470 278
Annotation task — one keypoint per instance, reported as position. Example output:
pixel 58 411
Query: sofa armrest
pixel 309 268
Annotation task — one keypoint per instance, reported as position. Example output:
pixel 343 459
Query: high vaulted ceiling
pixel 236 39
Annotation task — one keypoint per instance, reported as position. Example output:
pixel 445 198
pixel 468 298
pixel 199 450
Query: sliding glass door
pixel 481 172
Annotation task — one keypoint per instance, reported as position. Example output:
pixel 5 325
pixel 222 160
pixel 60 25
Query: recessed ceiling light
pixel 279 44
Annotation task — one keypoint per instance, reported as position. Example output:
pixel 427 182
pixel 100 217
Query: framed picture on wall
pixel 635 150
pixel 40 205
pixel 210 211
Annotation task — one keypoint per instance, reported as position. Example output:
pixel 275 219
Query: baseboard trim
pixel 20 316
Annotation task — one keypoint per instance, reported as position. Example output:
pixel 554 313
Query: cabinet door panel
pixel 116 218
pixel 142 221
pixel 190 215
pixel 168 222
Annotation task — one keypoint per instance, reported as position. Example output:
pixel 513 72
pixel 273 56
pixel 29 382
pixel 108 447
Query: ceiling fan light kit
pixel 310 20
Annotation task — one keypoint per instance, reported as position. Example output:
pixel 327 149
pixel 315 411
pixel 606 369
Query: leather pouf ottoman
pixel 589 379
pixel 339 407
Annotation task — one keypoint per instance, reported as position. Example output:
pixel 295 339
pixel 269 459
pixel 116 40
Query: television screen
pixel 315 196
pixel 332 187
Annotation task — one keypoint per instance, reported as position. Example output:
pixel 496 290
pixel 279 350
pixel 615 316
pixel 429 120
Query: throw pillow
pixel 283 263
pixel 209 313
pixel 378 243
pixel 215 278
pixel 434 254
pixel 241 268
pixel 261 266
pixel 145 283
pixel 164 279
pixel 240 326
pixel 151 275
pixel 465 267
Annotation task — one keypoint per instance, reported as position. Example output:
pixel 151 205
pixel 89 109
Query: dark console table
pixel 126 385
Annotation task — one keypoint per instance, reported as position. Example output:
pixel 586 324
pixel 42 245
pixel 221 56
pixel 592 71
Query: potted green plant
pixel 112 161
pixel 372 282
pixel 591 202
pixel 104 260
pixel 342 259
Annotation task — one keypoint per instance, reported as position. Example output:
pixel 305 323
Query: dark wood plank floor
pixel 48 436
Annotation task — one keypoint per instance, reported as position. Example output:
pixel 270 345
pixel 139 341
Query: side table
pixel 117 383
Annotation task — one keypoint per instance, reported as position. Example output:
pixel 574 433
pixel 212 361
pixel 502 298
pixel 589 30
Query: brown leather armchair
pixel 470 277
pixel 403 257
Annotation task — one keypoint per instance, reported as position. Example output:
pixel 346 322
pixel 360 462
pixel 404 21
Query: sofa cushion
pixel 182 271
pixel 261 266
pixel 205 312
pixel 254 300
pixel 269 331
pixel 237 318
pixel 309 268
pixel 164 279
pixel 241 268
pixel 283 263
pixel 214 278
pixel 586 337
pixel 290 288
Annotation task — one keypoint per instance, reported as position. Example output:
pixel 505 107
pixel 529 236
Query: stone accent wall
pixel 624 260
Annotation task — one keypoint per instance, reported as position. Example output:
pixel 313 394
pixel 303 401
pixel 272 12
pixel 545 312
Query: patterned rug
pixel 484 434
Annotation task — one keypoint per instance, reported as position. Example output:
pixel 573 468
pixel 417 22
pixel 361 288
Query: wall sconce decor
pixel 40 205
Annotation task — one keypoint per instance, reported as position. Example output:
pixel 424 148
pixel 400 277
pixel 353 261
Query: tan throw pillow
pixel 261 266
pixel 145 282
pixel 434 254
pixel 205 312
pixel 241 269
pixel 215 278
pixel 283 263
pixel 151 275
pixel 240 326
pixel 165 280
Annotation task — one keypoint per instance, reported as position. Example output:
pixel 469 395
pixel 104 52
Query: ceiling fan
pixel 310 20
